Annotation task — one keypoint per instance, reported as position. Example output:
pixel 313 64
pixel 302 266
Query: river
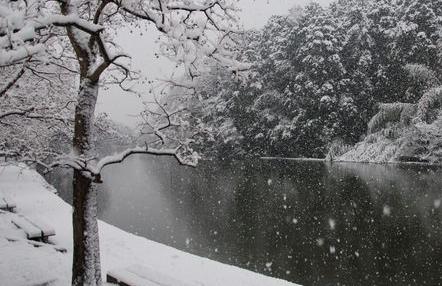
pixel 313 223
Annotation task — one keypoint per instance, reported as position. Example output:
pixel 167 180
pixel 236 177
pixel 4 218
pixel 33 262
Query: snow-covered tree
pixel 318 74
pixel 35 109
pixel 317 86
pixel 193 32
pixel 417 32
pixel 357 57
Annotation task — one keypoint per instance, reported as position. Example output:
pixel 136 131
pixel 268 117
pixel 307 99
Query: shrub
pixel 429 105
pixel 391 113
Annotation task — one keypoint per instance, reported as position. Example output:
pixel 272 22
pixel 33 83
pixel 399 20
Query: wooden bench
pixel 137 275
pixel 35 229
pixel 37 244
pixel 7 204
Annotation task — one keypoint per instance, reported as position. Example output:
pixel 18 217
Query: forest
pixel 322 79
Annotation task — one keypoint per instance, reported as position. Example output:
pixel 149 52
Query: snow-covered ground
pixel 23 264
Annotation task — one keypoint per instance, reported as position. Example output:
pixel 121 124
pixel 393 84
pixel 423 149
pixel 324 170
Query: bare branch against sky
pixel 123 107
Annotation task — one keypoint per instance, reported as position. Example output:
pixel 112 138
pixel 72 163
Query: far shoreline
pixel 348 161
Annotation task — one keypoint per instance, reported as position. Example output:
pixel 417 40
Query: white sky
pixel 123 107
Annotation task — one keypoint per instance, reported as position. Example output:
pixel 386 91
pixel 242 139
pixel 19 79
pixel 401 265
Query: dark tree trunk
pixel 86 259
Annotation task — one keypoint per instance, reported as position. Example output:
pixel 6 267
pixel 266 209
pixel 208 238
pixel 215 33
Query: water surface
pixel 308 222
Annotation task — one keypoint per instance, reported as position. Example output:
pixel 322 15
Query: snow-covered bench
pixel 37 244
pixel 137 275
pixel 7 204
pixel 35 229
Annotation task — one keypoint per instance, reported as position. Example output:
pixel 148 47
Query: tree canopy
pixel 318 75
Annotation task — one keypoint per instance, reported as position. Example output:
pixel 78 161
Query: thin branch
pixel 13 81
pixel 16 112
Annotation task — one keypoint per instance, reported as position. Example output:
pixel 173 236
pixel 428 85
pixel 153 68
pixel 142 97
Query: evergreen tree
pixel 319 74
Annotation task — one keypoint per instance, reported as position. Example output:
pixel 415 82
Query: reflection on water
pixel 307 222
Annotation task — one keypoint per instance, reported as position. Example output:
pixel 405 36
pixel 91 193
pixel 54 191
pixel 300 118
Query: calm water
pixel 307 222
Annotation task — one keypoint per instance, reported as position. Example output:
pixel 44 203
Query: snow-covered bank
pixel 416 143
pixel 23 264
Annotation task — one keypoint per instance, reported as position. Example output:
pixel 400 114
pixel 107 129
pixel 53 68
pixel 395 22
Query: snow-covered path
pixel 23 264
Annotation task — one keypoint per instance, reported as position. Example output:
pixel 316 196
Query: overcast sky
pixel 123 107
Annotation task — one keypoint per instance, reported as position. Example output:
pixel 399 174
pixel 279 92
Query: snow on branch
pixel 27 29
pixel 120 157
pixel 10 57
pixel 32 113
pixel 30 27
pixel 87 165
pixel 194 30
pixel 68 20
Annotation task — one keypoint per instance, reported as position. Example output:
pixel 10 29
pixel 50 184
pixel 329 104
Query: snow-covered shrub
pixel 408 114
pixel 429 105
pixel 420 79
pixel 337 148
pixel 371 138
pixel 392 132
pixel 391 113
pixel 422 74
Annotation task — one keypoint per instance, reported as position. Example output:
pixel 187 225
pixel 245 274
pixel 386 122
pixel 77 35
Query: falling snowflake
pixel 332 223
pixel 387 210
pixel 437 203
pixel 269 265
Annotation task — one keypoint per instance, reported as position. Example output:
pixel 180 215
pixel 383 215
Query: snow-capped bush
pixel 337 148
pixel 391 113
pixel 429 105
pixel 422 74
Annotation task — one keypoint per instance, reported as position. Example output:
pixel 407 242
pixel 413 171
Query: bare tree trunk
pixel 86 268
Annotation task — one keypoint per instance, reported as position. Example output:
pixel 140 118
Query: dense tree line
pixel 318 76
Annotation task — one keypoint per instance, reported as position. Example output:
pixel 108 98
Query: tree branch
pixel 13 81
pixel 119 158
pixel 16 112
